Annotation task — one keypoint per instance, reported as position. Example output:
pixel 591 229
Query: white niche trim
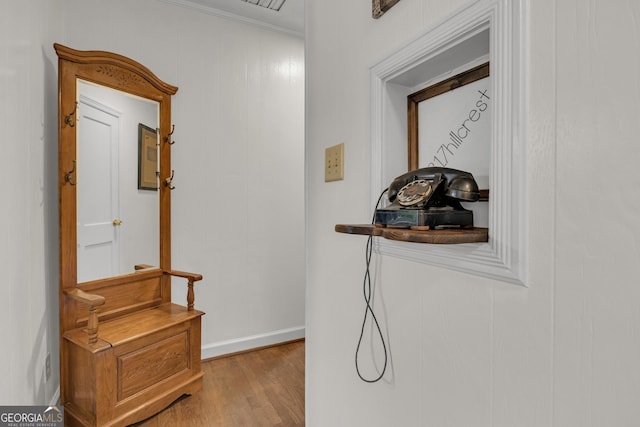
pixel 493 29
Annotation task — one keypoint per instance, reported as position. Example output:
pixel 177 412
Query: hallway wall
pixel 29 209
pixel 465 350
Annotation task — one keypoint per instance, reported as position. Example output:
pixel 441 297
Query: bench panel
pixel 122 299
pixel 147 366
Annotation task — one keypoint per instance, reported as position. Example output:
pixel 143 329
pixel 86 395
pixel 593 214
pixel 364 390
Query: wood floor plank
pixel 261 388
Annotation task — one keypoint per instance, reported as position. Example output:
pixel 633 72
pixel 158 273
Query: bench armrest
pixel 191 278
pixel 92 300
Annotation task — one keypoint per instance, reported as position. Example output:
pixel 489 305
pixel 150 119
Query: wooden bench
pixel 129 349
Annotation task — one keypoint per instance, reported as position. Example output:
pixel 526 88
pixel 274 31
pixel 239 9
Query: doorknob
pixel 117 222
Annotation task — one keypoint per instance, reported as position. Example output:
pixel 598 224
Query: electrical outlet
pixel 47 367
pixel 334 163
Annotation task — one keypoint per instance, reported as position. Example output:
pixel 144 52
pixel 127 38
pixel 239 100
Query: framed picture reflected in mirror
pixel 147 158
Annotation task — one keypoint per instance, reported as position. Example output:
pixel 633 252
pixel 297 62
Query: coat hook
pixel 167 138
pixel 70 118
pixel 68 177
pixel 168 181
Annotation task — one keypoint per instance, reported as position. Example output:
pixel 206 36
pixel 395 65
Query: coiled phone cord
pixel 366 288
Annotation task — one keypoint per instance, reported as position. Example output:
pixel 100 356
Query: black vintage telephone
pixel 430 198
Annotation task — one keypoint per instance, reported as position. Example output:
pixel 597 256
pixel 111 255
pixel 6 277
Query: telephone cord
pixel 366 288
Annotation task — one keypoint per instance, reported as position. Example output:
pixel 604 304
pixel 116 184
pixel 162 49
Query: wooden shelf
pixel 446 236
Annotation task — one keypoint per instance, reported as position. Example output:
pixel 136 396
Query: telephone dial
pixel 429 198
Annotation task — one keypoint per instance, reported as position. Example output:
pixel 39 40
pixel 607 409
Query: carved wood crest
pixel 124 78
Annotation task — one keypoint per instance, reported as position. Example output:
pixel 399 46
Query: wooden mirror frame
pixel 126 75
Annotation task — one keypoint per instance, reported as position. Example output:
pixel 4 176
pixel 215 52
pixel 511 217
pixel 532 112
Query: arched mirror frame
pixel 126 75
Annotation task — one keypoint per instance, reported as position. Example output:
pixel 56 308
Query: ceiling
pixel 290 17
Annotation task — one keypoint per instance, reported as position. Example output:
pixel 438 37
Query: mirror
pixel 114 138
pixel 118 219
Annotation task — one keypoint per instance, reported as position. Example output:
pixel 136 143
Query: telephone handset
pixel 430 198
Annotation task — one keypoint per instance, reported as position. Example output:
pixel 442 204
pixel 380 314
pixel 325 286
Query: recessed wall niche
pixel 483 31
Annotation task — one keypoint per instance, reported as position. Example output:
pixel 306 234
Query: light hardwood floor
pixel 261 388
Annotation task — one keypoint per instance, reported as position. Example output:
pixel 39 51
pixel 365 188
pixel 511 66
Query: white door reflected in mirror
pixel 98 242
pixel 117 222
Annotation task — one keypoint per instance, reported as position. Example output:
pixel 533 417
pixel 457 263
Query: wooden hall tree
pixel 126 351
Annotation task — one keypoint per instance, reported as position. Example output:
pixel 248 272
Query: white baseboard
pixel 255 341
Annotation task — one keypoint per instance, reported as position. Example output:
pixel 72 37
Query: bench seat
pixel 140 363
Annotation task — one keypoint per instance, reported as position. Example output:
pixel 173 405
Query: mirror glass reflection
pixel 117 184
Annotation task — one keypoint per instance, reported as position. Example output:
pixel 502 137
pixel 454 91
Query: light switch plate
pixel 334 163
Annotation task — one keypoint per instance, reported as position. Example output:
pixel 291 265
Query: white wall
pixel 467 351
pixel 28 211
pixel 238 209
